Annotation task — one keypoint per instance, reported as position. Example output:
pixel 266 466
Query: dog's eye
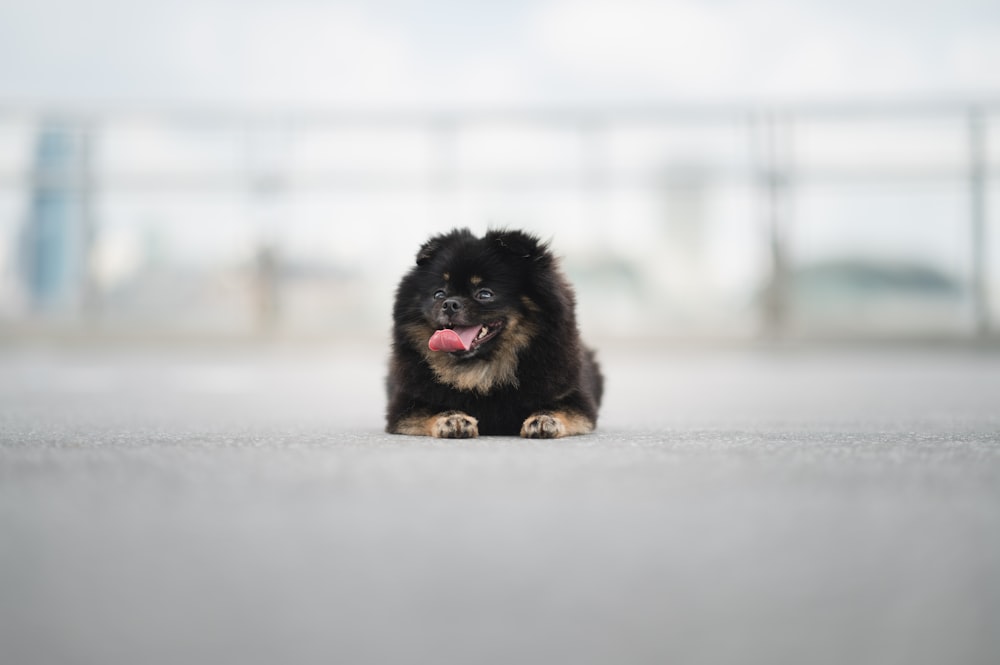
pixel 439 294
pixel 484 294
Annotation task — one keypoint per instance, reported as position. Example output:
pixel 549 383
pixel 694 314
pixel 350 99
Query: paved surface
pixel 735 507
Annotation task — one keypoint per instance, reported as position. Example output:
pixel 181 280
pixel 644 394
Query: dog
pixel 485 342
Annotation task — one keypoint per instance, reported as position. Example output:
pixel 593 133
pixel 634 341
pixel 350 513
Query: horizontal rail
pixel 563 116
pixel 378 180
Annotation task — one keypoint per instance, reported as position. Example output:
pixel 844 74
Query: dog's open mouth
pixel 463 338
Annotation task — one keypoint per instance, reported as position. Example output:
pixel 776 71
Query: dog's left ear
pixel 520 244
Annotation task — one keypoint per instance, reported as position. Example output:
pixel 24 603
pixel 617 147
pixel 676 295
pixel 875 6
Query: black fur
pixel 535 364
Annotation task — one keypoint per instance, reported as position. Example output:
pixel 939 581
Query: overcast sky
pixel 446 52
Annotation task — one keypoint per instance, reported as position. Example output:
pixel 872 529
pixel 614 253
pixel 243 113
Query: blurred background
pixel 719 171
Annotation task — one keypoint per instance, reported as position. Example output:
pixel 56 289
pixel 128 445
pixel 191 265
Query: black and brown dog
pixel 485 341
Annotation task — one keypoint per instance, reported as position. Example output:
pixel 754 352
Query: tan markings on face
pixel 530 304
pixel 476 280
pixel 418 334
pixel 446 276
pixel 556 424
pixel 482 375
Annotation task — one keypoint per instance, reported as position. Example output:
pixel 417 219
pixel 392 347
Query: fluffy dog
pixel 485 341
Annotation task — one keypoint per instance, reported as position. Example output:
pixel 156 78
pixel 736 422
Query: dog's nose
pixel 451 306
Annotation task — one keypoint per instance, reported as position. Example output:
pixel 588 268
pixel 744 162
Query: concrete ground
pixel 735 506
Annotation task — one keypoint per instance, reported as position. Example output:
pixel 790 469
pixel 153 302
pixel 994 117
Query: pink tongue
pixel 457 339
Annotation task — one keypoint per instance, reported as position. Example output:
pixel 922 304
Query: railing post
pixel 977 218
pixel 265 146
pixel 444 169
pixel 771 139
pixel 594 173
pixel 90 297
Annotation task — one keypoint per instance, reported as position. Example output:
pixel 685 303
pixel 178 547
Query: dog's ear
pixel 430 248
pixel 518 243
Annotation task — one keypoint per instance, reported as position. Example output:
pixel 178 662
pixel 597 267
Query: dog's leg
pixel 447 425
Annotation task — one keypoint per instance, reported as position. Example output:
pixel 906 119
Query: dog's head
pixel 469 304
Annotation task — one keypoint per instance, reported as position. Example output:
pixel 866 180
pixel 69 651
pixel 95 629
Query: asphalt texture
pixel 735 506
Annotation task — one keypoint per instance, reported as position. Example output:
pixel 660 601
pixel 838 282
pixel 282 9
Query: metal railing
pixel 772 166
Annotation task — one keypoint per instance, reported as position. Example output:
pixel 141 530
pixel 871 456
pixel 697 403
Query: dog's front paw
pixel 455 425
pixel 543 426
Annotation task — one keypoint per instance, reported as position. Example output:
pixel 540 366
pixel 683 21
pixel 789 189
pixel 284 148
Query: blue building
pixel 54 241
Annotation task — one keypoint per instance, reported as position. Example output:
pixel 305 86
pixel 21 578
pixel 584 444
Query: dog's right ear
pixel 430 248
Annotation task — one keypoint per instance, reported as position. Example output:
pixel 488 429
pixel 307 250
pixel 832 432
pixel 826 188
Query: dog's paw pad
pixel 455 425
pixel 543 426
